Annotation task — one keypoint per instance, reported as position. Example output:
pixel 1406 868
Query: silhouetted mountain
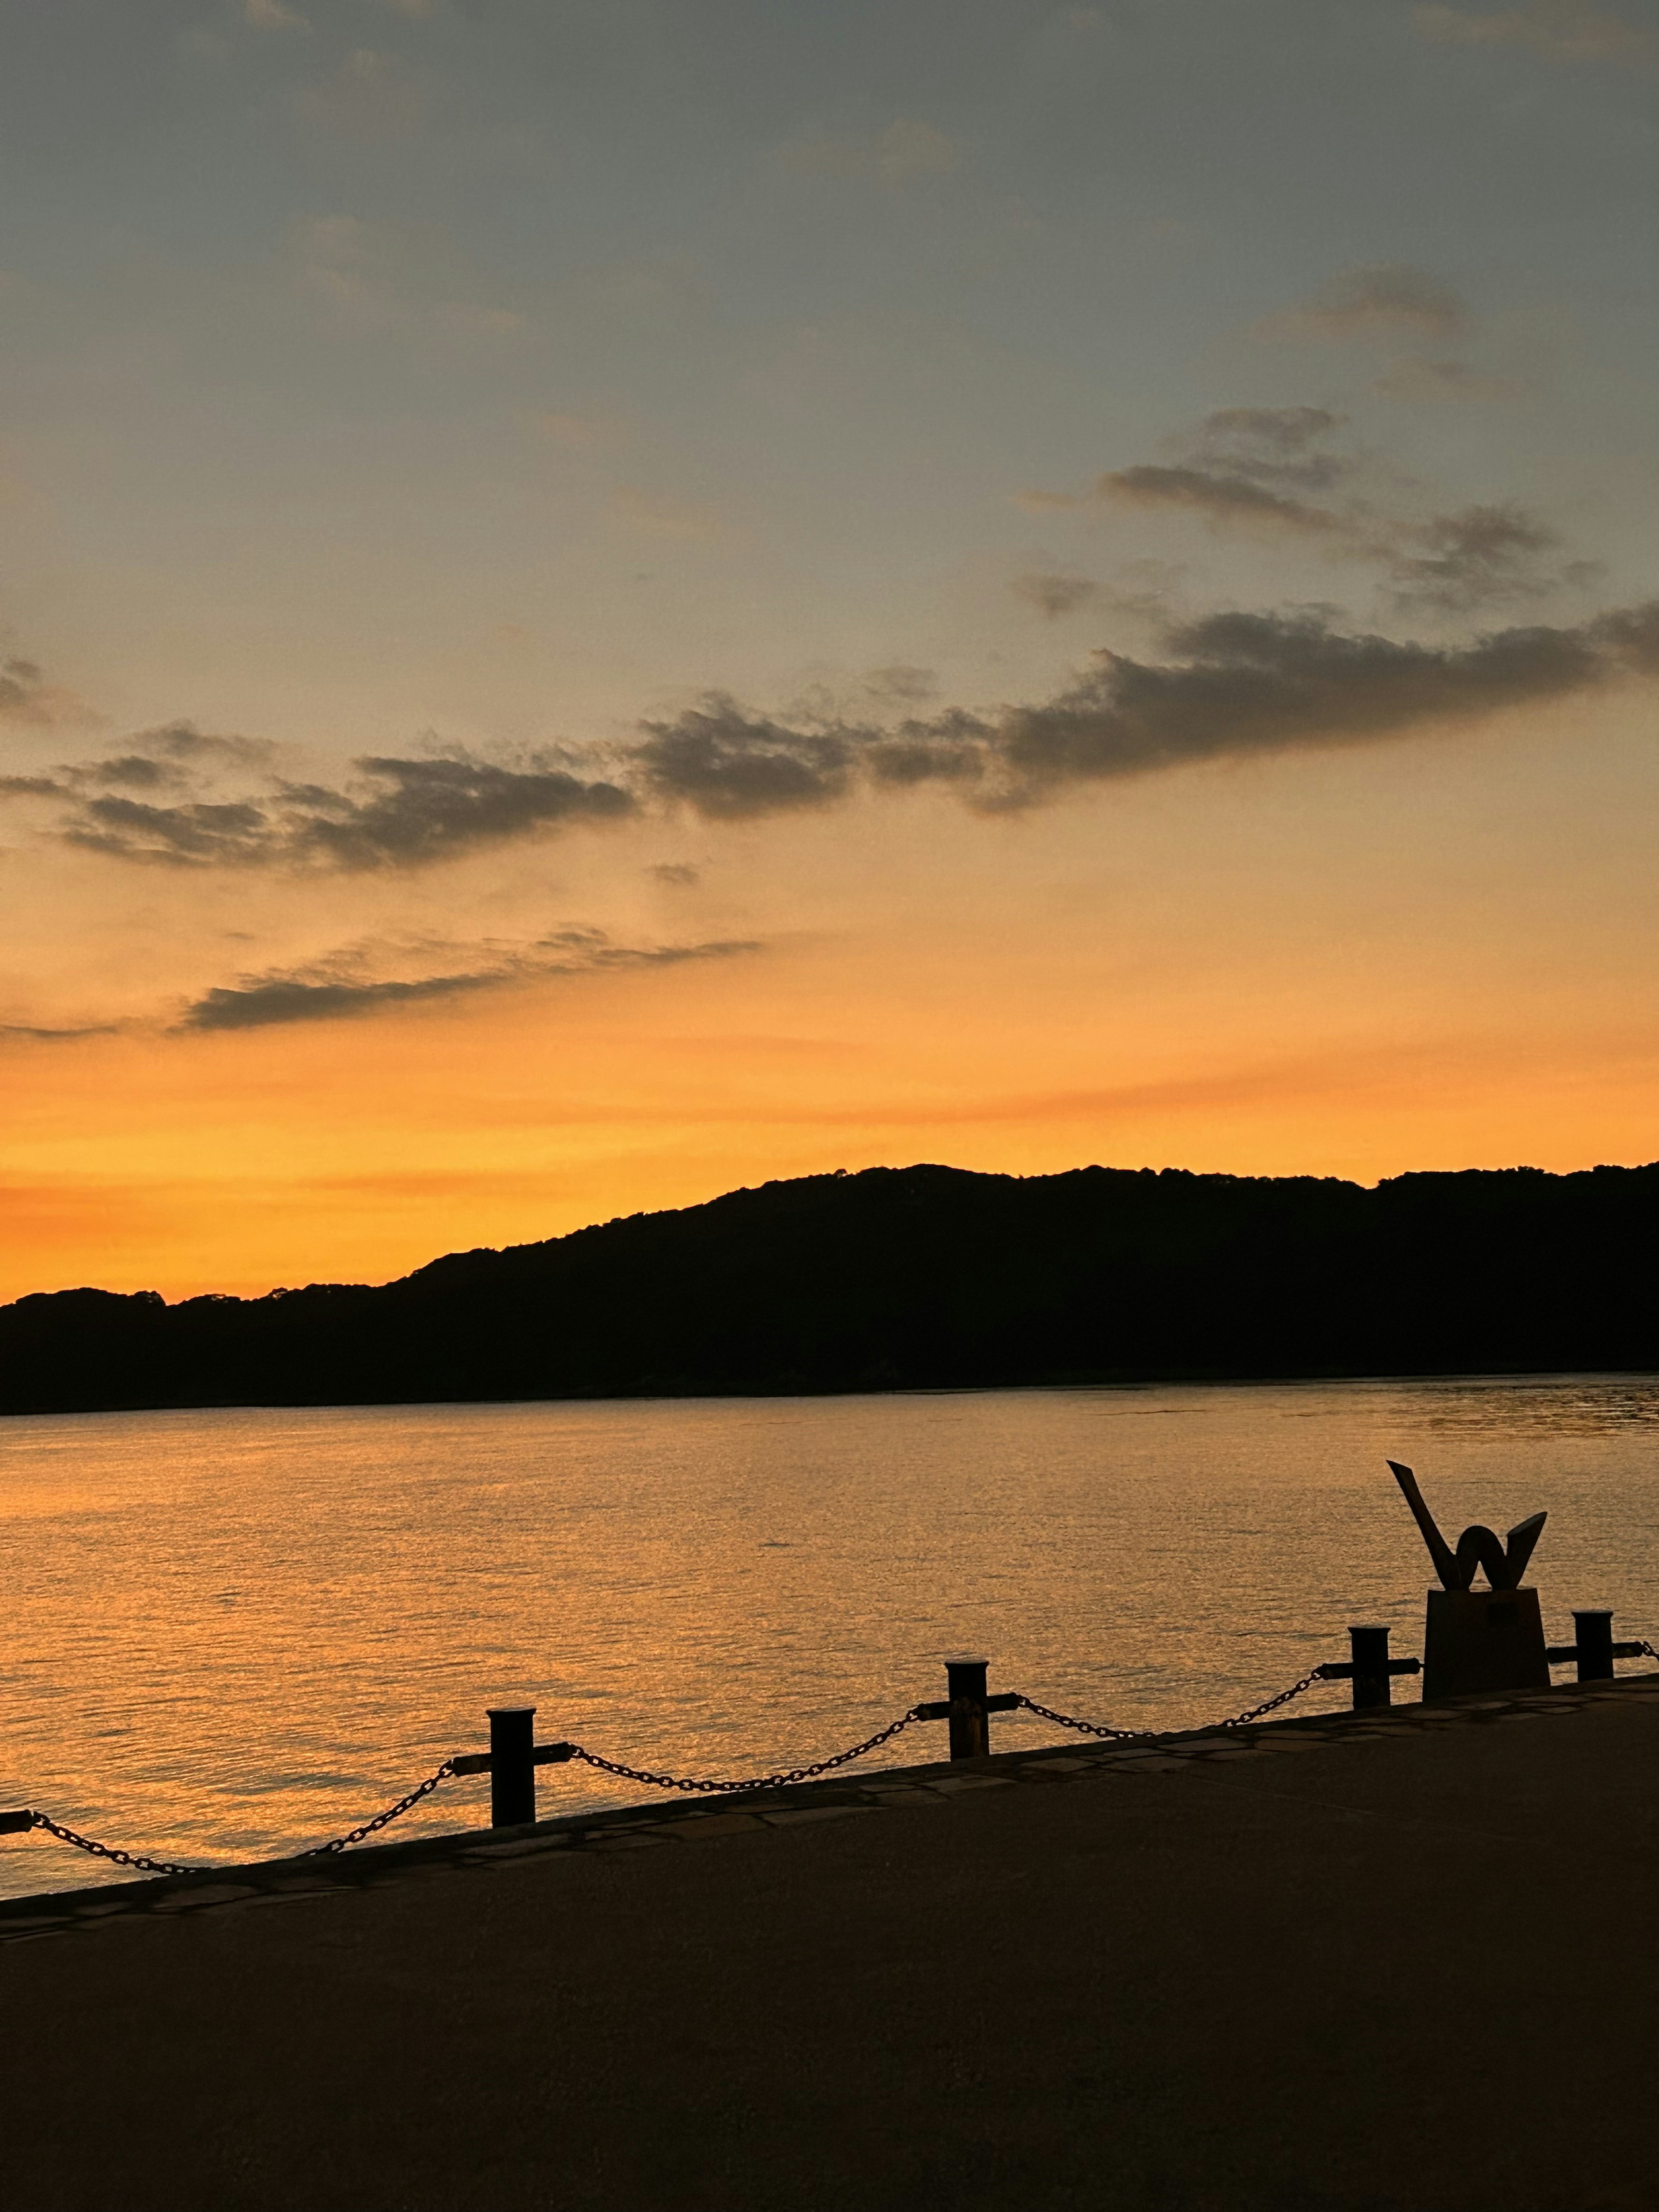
pixel 916 1278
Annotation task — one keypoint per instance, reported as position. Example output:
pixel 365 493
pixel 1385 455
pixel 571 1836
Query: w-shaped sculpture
pixel 1490 1639
pixel 1476 1548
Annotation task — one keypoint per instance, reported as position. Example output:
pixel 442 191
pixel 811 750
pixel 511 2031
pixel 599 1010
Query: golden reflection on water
pixel 235 1634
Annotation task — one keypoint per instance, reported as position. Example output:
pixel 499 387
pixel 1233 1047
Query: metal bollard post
pixel 1368 1647
pixel 1592 1644
pixel 512 1766
pixel 970 1730
pixel 1368 1667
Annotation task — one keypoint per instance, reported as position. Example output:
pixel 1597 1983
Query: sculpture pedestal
pixel 1483 1640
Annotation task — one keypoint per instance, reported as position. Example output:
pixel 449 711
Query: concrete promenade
pixel 1391 1963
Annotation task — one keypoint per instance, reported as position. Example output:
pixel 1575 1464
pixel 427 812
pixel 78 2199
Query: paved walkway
pixel 1398 1963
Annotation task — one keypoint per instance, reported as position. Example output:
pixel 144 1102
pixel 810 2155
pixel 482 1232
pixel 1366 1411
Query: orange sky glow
pixel 607 605
pixel 1148 979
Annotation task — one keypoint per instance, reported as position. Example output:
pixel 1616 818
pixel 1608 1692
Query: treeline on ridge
pixel 918 1278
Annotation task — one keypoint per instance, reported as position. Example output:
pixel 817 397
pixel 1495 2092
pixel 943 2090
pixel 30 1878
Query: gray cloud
pixel 139 771
pixel 166 760
pixel 39 1036
pixel 263 1002
pixel 343 986
pixel 729 764
pixel 1055 595
pixel 197 833
pixel 1384 298
pixel 155 800
pixel 675 871
pixel 1236 685
pixel 1224 685
pixel 1478 558
pixel 184 742
pixel 1222 498
pixel 427 810
pixel 1247 467
pixel 402 813
pixel 1230 686
pixel 1559 30
pixel 1252 465
pixel 20 686
pixel 1273 445
pixel 902 683
pixel 27 698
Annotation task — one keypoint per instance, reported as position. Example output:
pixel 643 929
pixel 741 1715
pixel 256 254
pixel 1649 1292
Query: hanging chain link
pixel 143 1864
pixel 1160 1735
pixel 755 1782
pixel 382 1820
pixel 1271 1704
pixel 1087 1727
pixel 1647 1649
pixel 135 1859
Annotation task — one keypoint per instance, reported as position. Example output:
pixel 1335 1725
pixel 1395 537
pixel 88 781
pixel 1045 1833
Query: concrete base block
pixel 1483 1640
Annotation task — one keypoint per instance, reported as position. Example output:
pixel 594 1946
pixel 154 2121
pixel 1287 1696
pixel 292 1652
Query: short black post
pixel 512 1766
pixel 1368 1645
pixel 970 1730
pixel 1593 1642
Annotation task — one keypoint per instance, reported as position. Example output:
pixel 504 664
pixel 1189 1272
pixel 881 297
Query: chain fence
pixel 699 1785
pixel 754 1782
pixel 1161 1735
pixel 382 1819
pixel 134 1859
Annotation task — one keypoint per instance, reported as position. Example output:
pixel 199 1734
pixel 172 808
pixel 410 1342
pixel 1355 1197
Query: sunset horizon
pixel 828 949
pixel 619 614
pixel 178 1293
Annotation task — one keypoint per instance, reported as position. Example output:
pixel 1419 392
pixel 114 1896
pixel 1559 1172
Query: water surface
pixel 232 1633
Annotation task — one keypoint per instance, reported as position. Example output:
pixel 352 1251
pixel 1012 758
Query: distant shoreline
pixel 891 1390
pixel 919 1278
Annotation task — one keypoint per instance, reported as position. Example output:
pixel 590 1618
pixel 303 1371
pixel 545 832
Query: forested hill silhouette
pixel 921 1277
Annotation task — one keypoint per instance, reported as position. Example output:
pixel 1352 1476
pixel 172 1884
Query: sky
pixel 608 600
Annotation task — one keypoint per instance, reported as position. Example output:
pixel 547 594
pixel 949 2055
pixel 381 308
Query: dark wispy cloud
pixel 1229 686
pixel 37 1035
pixel 346 984
pixel 1382 299
pixel 170 759
pixel 1289 472
pixel 27 700
pixel 902 683
pixel 1250 467
pixel 1054 593
pixel 1218 495
pixel 397 813
pixel 1559 30
pixel 1213 686
pixel 730 763
pixel 21 685
pixel 1280 446
pixel 1480 556
pixel 417 811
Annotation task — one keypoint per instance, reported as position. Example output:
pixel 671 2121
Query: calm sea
pixel 233 1634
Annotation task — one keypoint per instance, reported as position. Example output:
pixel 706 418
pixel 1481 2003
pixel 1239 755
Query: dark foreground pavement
pixel 1403 1964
